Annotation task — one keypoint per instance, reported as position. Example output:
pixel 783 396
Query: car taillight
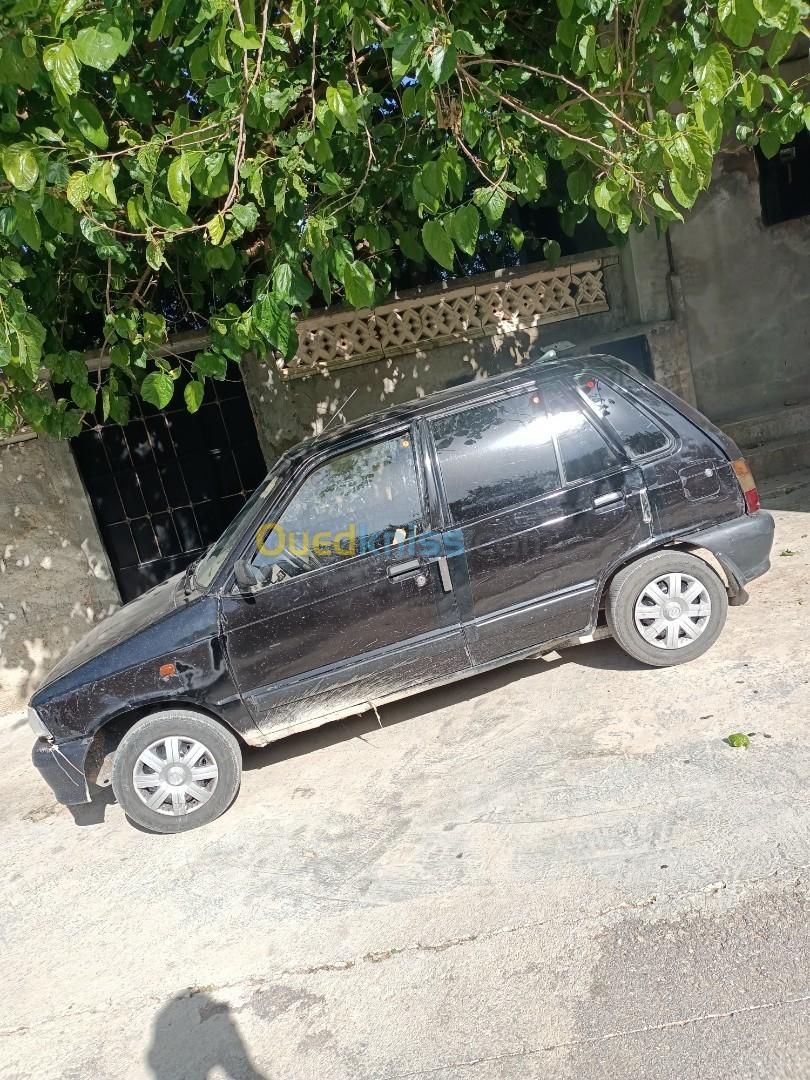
pixel 745 478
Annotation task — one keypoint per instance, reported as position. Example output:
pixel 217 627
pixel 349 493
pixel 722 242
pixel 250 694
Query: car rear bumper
pixel 742 546
pixel 61 765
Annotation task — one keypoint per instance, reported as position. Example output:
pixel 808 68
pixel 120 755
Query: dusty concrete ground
pixel 558 870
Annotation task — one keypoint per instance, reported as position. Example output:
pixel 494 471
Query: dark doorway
pixel 165 486
pixel 784 181
pixel 633 350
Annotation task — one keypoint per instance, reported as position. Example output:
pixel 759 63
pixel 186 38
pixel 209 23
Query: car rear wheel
pixel 176 770
pixel 667 608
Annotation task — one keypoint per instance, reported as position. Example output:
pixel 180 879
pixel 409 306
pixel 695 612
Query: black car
pixel 423 544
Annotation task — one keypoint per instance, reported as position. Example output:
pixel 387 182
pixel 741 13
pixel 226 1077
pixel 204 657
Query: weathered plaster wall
pixel 746 291
pixel 55 580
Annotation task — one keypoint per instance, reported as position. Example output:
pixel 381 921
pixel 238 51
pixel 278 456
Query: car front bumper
pixel 742 546
pixel 61 765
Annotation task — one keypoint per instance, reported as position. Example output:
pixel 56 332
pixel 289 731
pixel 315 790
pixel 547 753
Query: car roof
pixel 537 371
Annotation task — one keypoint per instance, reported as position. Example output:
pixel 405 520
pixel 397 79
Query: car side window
pixel 584 451
pixel 637 431
pixel 496 454
pixel 364 500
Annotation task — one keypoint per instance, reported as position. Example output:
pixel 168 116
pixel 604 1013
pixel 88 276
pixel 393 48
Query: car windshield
pixel 213 560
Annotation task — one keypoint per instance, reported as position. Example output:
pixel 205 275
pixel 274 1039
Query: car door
pixel 544 504
pixel 353 606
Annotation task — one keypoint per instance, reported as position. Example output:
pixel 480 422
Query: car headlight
pixel 36 724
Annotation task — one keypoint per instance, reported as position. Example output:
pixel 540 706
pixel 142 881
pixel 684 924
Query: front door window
pixel 361 501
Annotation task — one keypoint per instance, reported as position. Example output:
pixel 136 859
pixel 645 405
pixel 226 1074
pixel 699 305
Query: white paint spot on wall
pixel 47 563
pixel 94 562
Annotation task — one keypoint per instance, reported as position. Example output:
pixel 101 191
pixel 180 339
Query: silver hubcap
pixel 175 775
pixel 673 611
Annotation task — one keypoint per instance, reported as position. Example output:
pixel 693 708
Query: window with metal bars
pixel 165 485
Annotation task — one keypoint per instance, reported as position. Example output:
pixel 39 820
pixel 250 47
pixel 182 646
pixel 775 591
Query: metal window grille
pixel 165 485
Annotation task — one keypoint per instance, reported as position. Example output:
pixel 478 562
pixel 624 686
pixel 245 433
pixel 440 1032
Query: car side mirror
pixel 247 577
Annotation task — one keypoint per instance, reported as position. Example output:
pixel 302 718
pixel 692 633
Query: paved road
pixel 559 871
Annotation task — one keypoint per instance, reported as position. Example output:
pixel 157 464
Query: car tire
pixel 183 763
pixel 643 601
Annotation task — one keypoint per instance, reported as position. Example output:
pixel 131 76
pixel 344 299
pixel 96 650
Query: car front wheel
pixel 176 770
pixel 667 608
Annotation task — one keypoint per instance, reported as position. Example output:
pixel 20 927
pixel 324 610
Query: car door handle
pixel 608 499
pixel 415 568
pixel 397 571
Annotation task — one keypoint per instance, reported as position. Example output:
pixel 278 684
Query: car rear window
pixel 496 454
pixel 584 451
pixel 637 431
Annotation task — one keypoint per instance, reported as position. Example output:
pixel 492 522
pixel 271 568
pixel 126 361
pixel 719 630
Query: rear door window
pixel 637 431
pixel 496 455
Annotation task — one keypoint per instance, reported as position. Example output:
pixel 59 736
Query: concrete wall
pixel 55 581
pixel 746 292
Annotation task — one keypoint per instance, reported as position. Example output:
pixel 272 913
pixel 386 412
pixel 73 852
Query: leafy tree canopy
pixel 228 163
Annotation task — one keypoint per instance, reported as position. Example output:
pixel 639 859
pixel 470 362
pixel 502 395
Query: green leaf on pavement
pixel 738 739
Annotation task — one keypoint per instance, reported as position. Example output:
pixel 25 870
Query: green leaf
pixel 464 226
pixel 438 243
pixel 340 100
pixel 282 281
pixel 84 396
pixel 551 252
pixel 492 202
pixel 738 739
pixel 769 143
pixel 216 229
pixel 58 214
pixel 193 395
pixel 516 236
pixel 88 120
pixel 714 72
pixel 78 189
pixel 154 327
pixel 136 103
pixel 442 63
pixel 28 226
pixel 780 43
pixel 587 48
pixel 271 317
pixel 668 211
pixel 248 40
pixel 465 43
pixel 20 166
pixel 63 68
pixel 739 19
pixel 98 48
pixel 246 215
pixel 158 389
pixel 578 183
pixel 119 354
pixel 178 181
pixel 212 364
pixel 119 410
pixel 154 253
pixel 358 282
pixel 434 178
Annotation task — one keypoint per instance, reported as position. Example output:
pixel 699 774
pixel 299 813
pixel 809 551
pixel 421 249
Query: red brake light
pixel 745 478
